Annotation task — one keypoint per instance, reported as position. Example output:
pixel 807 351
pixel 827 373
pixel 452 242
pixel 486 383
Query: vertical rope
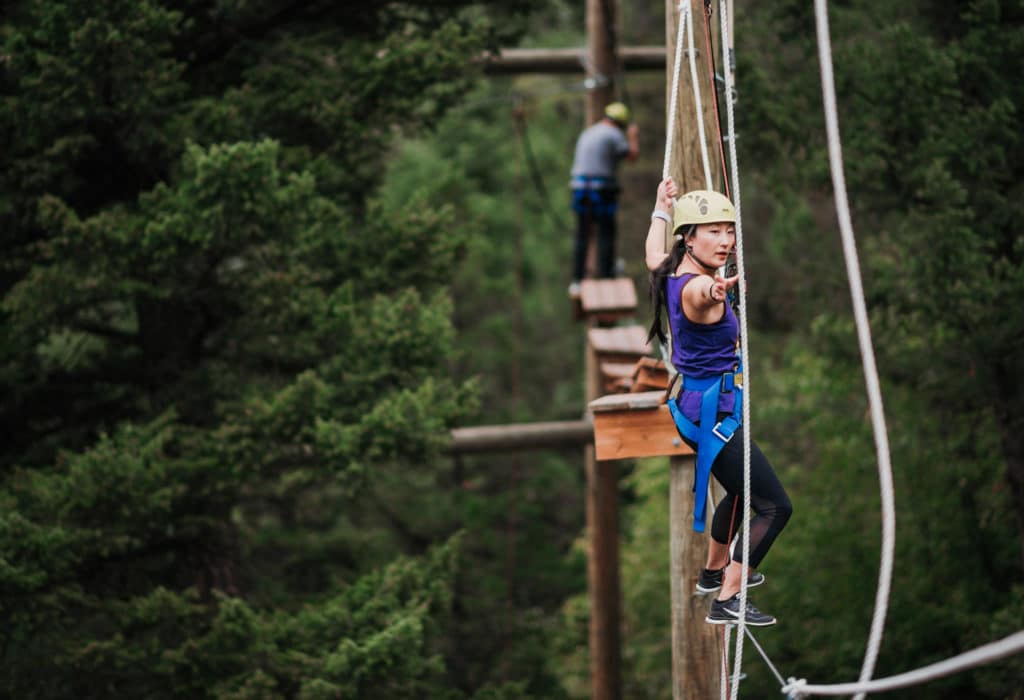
pixel 727 630
pixel 674 96
pixel 835 156
pixel 666 351
pixel 696 95
pixel 744 355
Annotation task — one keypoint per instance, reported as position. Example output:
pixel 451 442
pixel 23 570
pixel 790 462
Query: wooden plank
pixel 617 370
pixel 608 296
pixel 622 385
pixel 648 400
pixel 617 377
pixel 619 341
pixel 649 374
pixel 637 433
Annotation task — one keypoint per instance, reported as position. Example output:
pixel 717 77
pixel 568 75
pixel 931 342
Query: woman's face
pixel 712 243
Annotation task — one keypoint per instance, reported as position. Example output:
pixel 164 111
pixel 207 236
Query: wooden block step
pixel 613 374
pixel 604 300
pixel 621 385
pixel 634 425
pixel 620 343
pixel 649 374
pixel 617 370
pixel 608 299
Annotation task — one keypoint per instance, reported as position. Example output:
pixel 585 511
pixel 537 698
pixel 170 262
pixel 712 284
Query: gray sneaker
pixel 710 580
pixel 727 612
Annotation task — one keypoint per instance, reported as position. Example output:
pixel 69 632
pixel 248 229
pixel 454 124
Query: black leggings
pixel 771 505
pixel 605 224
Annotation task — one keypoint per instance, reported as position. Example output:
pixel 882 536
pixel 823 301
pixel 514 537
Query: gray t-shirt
pixel 599 149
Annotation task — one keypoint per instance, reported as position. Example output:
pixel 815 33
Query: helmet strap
pixel 709 268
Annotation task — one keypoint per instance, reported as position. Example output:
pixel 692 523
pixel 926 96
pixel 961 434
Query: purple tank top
pixel 700 349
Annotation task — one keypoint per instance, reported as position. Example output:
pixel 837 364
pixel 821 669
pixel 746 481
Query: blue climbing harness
pixel 711 434
pixel 597 194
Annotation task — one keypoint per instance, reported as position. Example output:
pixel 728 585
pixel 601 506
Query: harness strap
pixel 711 435
pixel 593 182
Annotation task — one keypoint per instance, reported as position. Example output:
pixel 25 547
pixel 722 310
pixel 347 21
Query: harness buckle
pixel 719 435
pixel 728 382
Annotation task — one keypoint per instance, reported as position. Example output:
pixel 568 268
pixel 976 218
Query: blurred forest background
pixel 258 257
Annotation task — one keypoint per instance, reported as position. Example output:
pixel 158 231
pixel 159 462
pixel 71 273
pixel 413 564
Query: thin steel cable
pixel 775 671
pixel 835 156
pixel 744 354
pixel 993 651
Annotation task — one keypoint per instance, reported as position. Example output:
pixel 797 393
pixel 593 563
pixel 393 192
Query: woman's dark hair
pixel 657 283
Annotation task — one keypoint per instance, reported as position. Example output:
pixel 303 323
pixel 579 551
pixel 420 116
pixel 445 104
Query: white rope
pixel 1014 644
pixel 725 40
pixel 666 350
pixel 864 338
pixel 674 97
pixel 696 94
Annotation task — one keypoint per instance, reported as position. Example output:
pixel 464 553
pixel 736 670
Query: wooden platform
pixel 608 299
pixel 617 376
pixel 649 374
pixel 605 300
pixel 635 425
pixel 619 344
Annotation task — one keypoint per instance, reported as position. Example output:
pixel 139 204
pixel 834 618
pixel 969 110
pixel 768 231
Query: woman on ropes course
pixel 708 410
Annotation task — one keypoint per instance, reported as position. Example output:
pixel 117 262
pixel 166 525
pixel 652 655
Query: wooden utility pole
pixel 696 645
pixel 602 477
pixel 601 57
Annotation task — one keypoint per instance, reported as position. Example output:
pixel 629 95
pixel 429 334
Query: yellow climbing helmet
pixel 702 207
pixel 618 112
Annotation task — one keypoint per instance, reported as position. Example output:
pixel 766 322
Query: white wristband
pixel 664 216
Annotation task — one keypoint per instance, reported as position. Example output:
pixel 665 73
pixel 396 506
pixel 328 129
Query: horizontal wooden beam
pixel 518 61
pixel 522 436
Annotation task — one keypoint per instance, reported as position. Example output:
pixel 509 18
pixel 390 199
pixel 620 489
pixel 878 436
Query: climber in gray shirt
pixel 595 190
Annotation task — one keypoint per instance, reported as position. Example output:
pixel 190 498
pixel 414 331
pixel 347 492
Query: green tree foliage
pixel 251 253
pixel 219 344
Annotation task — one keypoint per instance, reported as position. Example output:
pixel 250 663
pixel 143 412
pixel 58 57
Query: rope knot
pixel 792 688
